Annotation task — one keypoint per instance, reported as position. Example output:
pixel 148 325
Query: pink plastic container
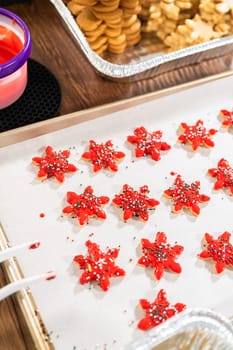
pixel 15 49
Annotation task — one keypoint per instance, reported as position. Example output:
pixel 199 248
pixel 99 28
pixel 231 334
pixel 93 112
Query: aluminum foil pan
pixel 141 62
pixel 194 329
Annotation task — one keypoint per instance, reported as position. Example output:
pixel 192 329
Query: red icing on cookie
pixel 135 203
pixel 98 266
pixel 197 135
pixel 158 311
pixel 220 250
pixel 103 156
pixel 160 255
pixel 148 143
pixel 223 174
pixel 187 196
pixel 85 205
pixel 228 118
pixel 54 164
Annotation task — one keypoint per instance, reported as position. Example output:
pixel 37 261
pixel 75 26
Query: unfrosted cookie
pixel 87 20
pixel 192 32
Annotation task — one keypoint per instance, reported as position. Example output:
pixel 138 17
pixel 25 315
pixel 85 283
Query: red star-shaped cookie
pixel 148 143
pixel 135 203
pixel 220 250
pixel 223 174
pixel 160 255
pixel 53 164
pixel 103 156
pixel 98 266
pixel 197 135
pixel 187 196
pixel 85 205
pixel 158 311
pixel 228 118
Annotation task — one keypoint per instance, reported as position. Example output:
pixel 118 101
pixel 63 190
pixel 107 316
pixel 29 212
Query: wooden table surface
pixel 81 87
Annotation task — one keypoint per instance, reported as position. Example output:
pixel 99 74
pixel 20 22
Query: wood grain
pixel 11 335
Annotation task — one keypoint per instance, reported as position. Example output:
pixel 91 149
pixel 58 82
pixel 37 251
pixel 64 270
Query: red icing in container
pixel 10 44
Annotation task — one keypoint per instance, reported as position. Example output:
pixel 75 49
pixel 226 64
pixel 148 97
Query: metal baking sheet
pixel 141 62
pixel 197 329
pixel 74 315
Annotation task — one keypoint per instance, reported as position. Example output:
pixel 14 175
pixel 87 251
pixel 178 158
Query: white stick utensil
pixel 13 251
pixel 24 283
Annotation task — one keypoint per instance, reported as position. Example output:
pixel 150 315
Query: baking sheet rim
pixel 25 301
pixel 64 121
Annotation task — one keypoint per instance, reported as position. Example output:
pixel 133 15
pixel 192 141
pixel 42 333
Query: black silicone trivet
pixel 12 2
pixel 40 101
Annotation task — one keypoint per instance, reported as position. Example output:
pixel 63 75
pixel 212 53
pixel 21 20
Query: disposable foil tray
pixel 144 61
pixel 196 329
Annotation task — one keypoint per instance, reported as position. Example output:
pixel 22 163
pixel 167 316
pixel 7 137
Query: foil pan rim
pixel 128 70
pixel 204 318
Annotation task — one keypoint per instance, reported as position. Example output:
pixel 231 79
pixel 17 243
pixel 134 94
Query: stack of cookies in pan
pixel 113 25
pixel 108 24
pixel 182 23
